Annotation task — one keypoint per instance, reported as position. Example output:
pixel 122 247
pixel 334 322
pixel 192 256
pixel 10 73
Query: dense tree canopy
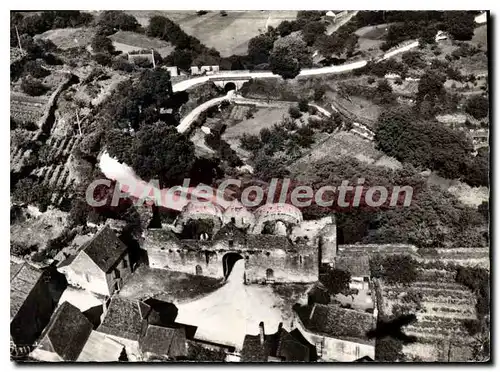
pixel 426 144
pixel 102 44
pixel 433 218
pixel 259 48
pixel 283 62
pixel 111 21
pixel 157 151
pixel 336 281
pixel 460 24
pixel 477 106
pixel 139 101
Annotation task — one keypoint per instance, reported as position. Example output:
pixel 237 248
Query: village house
pixel 163 343
pixel 100 266
pixel 33 298
pixel 69 337
pixel 281 346
pixel 124 321
pixel 147 331
pixel 64 337
pixel 338 334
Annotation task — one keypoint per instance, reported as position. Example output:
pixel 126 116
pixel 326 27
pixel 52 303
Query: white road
pixel 193 115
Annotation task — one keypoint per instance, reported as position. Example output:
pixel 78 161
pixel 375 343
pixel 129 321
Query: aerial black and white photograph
pixel 242 186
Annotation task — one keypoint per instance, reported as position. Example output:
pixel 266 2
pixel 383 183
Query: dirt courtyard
pixel 234 310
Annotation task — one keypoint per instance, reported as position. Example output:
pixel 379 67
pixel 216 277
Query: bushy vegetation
pixel 33 87
pixel 284 136
pixel 37 23
pixel 477 106
pixel 102 44
pixel 335 280
pixel 139 101
pixel 188 50
pixel 425 144
pixel 111 21
pixel 394 269
pixel 433 218
pixel 157 151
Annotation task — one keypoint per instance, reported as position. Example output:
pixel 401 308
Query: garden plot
pixel 263 118
pixel 65 38
pixel 340 145
pixel 128 41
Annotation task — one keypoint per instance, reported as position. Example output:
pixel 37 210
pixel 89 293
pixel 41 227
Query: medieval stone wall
pixel 266 262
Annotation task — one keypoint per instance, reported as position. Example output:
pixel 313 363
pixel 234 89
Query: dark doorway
pixel 229 86
pixel 199 270
pixel 228 262
pixel 269 274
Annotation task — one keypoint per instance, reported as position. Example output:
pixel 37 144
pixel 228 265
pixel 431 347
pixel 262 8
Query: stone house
pixel 163 342
pixel 100 266
pixel 281 346
pixel 124 321
pixel 64 337
pixel 338 334
pixel 70 337
pixel 34 294
pixel 143 330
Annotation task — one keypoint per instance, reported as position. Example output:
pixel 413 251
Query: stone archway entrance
pixel 228 261
pixel 229 86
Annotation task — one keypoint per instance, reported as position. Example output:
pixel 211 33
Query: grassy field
pixel 66 38
pixel 371 38
pixel 127 41
pixel 229 34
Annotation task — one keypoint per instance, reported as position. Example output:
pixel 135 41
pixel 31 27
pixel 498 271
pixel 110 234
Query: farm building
pixel 208 70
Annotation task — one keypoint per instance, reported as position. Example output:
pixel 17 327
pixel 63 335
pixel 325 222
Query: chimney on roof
pixel 280 326
pixel 261 333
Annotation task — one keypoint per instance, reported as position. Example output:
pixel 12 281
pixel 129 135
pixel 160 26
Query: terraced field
pixel 443 307
pixel 439 302
pixel 25 108
pixel 58 175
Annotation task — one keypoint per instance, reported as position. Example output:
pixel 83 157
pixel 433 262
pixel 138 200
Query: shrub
pixel 102 44
pixel 33 87
pixel 303 105
pixel 477 106
pixel 122 64
pixel 319 92
pixel 36 70
pixel 294 112
pixel 103 59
